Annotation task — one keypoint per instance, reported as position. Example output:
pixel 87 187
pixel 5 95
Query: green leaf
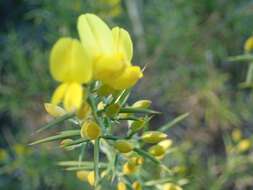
pixel 245 57
pixel 174 122
pixel 56 121
pixel 138 110
pixel 122 98
pixel 75 142
pixel 56 137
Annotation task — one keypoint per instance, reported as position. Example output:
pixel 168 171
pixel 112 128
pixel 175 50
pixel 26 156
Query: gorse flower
pixel 111 52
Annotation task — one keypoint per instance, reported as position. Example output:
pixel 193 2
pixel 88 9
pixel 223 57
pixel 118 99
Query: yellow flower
pixel 171 186
pixel 153 136
pixel 54 110
pixel 71 65
pixel 111 52
pixel 123 146
pixel 156 150
pixel 236 135
pixel 88 176
pixel 248 46
pixel 137 185
pixel 244 145
pixel 129 168
pixel 90 130
pixel 121 186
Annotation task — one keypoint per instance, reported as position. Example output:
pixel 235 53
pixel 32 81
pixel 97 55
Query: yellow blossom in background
pixel 69 64
pixel 90 130
pixel 248 45
pixel 236 135
pixel 244 145
pixel 111 52
pixel 129 168
pixel 121 186
pixel 137 185
pixel 153 136
pixel 88 176
pixel 171 186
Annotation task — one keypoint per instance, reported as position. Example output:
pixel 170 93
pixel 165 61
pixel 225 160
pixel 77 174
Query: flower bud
pixel 121 186
pixel 65 142
pixel 142 104
pixel 248 46
pixel 156 150
pixel 236 135
pixel 91 178
pixel 244 145
pixel 137 125
pixel 54 110
pixel 153 136
pixel 84 111
pixel 137 185
pixel 88 176
pixel 137 160
pixel 123 146
pixel 129 168
pixel 171 186
pixel 90 130
pixel 167 143
pixel 112 110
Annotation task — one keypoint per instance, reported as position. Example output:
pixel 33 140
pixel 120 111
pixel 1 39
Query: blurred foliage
pixel 187 45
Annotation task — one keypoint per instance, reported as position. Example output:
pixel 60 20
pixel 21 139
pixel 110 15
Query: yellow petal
pixel 73 97
pixel 130 76
pixel 59 93
pixel 54 110
pixel 122 43
pixel 121 186
pixel 95 35
pixel 69 62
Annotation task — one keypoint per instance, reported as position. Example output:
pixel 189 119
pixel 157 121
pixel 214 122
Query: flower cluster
pixel 96 75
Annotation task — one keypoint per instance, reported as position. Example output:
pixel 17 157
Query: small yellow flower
pixel 54 110
pixel 69 64
pixel 137 185
pixel 129 168
pixel 248 46
pixel 156 150
pixel 88 176
pixel 244 145
pixel 171 186
pixel 236 135
pixel 153 136
pixel 121 186
pixel 90 130
pixel 111 52
pixel 123 146
pixel 142 104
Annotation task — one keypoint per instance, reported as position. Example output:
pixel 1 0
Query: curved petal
pixel 122 42
pixel 73 97
pixel 95 35
pixel 69 62
pixel 59 93
pixel 130 76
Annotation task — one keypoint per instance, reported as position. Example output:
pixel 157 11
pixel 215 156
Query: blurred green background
pixel 185 45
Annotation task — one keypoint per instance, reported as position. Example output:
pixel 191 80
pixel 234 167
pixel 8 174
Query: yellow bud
pixel 121 186
pixel 54 110
pixel 157 150
pixel 244 145
pixel 65 142
pixel 171 186
pixel 137 160
pixel 137 186
pixel 129 168
pixel 84 111
pixel 180 170
pixel 100 106
pixel 90 130
pixel 248 46
pixel 236 135
pixel 153 136
pixel 123 146
pixel 142 104
pixel 167 143
pixel 137 125
pixel 82 175
pixel 3 155
pixel 112 110
pixel 91 178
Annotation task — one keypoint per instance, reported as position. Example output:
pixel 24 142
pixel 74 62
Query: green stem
pixel 96 162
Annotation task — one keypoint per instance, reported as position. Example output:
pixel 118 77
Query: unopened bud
pixel 121 186
pixel 171 186
pixel 138 160
pixel 137 125
pixel 236 135
pixel 142 104
pixel 244 145
pixel 248 46
pixel 123 146
pixel 153 136
pixel 137 185
pixel 167 143
pixel 129 168
pixel 156 150
pixel 90 130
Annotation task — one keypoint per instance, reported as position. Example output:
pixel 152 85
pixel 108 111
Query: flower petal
pixel 69 62
pixel 59 93
pixel 130 76
pixel 122 42
pixel 95 35
pixel 73 97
